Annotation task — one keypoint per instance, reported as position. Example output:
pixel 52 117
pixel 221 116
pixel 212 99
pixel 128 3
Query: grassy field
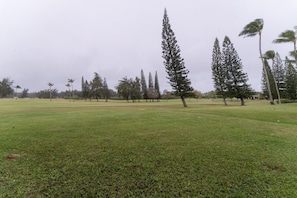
pixel 147 149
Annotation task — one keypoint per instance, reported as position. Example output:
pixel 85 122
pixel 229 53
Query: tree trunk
pixel 242 101
pixel 265 72
pixel 183 100
pixel 225 102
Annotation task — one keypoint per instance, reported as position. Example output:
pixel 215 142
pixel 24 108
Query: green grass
pixel 153 149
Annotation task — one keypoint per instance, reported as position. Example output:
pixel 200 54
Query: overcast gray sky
pixel 45 41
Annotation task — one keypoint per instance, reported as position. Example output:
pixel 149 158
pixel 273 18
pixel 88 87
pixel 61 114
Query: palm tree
pixel 71 81
pixel 68 85
pixel 270 54
pixel 16 90
pixel 288 36
pixel 252 29
pixel 50 85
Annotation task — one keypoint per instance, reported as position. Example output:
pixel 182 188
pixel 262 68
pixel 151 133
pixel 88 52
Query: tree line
pixel 138 89
pixel 278 81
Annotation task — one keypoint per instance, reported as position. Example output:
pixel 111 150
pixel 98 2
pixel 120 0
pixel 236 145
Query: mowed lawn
pixel 147 149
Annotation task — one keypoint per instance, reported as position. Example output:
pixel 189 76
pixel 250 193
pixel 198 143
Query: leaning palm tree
pixel 288 36
pixel 270 54
pixel 16 90
pixel 71 81
pixel 50 85
pixel 252 29
pixel 68 85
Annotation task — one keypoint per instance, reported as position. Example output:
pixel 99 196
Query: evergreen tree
pixel 219 72
pixel 290 80
pixel 87 92
pixel 279 73
pixel 24 93
pixel 6 87
pixel 124 88
pixel 143 86
pixel 157 87
pixel 105 90
pixel 82 84
pixel 97 85
pixel 174 63
pixel 151 83
pixel 236 80
pixel 135 89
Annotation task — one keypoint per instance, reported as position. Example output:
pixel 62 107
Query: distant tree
pixel 288 36
pixel 166 94
pixel 24 93
pixel 219 72
pixel 151 83
pixel 105 90
pixel 50 89
pixel 250 30
pixel 211 94
pixel 151 90
pixel 97 85
pixel 152 93
pixel 236 79
pixel 174 63
pixel 197 94
pixel 290 80
pixel 68 86
pixel 87 90
pixel 129 89
pixel 124 88
pixel 112 93
pixel 47 93
pixel 143 86
pixel 16 90
pixel 6 87
pixel 82 83
pixel 71 81
pixel 157 87
pixel 135 89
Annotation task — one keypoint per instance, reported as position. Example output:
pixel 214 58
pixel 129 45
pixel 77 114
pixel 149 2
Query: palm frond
pixel 293 54
pixel 270 54
pixel 286 37
pixel 253 28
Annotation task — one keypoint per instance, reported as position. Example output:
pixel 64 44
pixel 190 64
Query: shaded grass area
pixel 147 149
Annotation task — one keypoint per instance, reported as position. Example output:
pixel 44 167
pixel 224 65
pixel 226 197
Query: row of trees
pixel 7 89
pixel 96 88
pixel 137 89
pixel 229 79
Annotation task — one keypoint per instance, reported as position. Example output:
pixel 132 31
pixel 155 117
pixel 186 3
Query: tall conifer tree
pixel 151 83
pixel 174 63
pixel 279 73
pixel 143 86
pixel 157 87
pixel 290 80
pixel 236 80
pixel 219 72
